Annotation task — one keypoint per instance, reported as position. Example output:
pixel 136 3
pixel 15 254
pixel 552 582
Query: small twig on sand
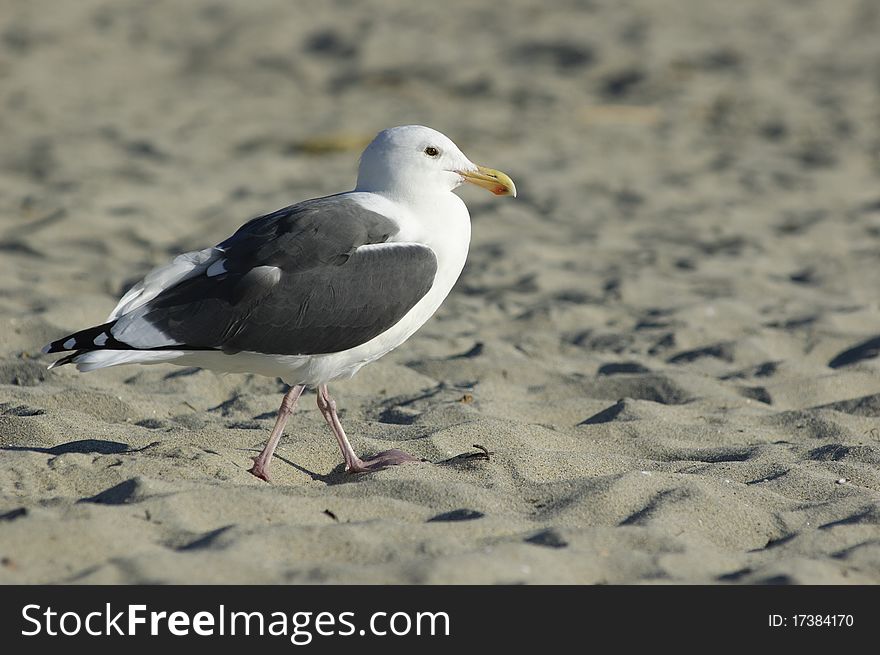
pixel 485 453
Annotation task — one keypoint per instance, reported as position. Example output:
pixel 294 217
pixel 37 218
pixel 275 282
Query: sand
pixel 652 340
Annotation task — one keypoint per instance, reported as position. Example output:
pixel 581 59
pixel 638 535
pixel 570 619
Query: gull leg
pixel 353 463
pixel 288 404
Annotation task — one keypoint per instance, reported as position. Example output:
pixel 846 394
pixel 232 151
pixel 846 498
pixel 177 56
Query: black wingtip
pixel 56 346
pixel 84 340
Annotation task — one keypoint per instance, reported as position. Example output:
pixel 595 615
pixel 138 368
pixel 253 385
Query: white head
pixel 413 160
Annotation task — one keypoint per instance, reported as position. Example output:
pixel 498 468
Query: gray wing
pixel 317 277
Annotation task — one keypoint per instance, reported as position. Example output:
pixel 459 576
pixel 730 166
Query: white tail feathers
pixel 96 359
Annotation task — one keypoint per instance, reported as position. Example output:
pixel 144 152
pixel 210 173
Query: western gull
pixel 312 292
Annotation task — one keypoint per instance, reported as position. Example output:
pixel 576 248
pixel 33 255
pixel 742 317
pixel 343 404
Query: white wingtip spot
pixel 69 344
pixel 101 339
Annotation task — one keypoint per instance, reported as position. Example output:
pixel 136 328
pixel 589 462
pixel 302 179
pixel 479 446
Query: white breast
pixel 443 224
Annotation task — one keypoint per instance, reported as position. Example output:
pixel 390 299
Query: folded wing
pixel 317 277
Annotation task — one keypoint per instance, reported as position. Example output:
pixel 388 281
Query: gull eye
pixel 431 151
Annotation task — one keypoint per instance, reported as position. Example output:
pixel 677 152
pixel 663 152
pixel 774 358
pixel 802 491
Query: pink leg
pixel 353 463
pixel 288 404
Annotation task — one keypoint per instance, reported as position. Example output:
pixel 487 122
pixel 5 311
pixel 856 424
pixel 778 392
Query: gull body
pixel 313 292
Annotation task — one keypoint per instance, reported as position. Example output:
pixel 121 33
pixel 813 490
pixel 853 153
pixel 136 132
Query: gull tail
pixel 95 348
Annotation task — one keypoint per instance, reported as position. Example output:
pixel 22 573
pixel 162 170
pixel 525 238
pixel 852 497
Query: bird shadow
pixel 318 477
pixel 326 479
pixel 340 476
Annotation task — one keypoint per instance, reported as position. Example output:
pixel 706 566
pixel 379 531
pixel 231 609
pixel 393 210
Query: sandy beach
pixel 668 342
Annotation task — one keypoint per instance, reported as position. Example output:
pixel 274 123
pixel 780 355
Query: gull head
pixel 413 160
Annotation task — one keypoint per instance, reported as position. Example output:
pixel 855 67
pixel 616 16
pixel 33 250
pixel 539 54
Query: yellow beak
pixel 488 178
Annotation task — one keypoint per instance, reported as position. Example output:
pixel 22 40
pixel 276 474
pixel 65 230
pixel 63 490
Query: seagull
pixel 312 292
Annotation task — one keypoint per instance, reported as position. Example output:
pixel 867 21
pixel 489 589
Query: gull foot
pixel 383 460
pixel 260 469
